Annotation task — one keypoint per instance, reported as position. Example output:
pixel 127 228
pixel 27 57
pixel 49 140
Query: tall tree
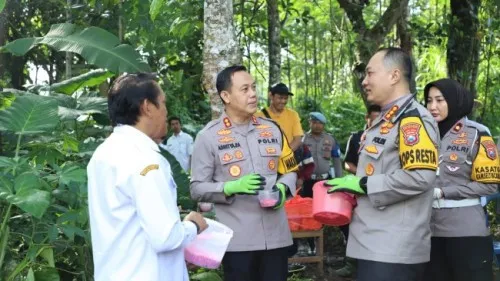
pixel 463 42
pixel 369 39
pixel 220 48
pixel 273 27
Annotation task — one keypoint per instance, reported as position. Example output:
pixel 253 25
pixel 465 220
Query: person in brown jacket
pixel 469 167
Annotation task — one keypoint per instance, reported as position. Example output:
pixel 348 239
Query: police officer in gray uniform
pixel 389 233
pixel 469 168
pixel 325 151
pixel 234 157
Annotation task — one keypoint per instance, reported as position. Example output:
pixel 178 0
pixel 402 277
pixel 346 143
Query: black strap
pixel 266 113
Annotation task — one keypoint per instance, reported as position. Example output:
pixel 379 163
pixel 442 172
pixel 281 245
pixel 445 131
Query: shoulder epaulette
pixel 411 113
pixel 482 130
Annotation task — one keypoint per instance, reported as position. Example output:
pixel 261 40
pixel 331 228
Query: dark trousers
pixel 381 271
pixel 460 259
pixel 265 265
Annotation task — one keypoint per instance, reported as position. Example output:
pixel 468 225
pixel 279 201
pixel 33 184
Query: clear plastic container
pixel 209 247
pixel 268 198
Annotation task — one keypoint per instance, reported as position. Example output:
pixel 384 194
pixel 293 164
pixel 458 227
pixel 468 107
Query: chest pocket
pixel 232 163
pixel 327 150
pixel 454 164
pixel 270 155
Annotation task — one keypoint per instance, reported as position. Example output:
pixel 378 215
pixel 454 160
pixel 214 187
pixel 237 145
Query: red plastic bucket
pixel 332 209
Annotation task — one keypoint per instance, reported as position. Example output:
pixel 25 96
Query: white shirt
pixel 135 225
pixel 181 147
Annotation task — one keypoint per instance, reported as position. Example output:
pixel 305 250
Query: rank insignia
pixel 453 157
pixel 226 139
pixel 223 132
pixel 371 149
pixel 266 134
pixel 369 169
pixel 490 147
pixel 452 168
pixel 271 150
pixel 384 131
pixel 227 122
pixel 234 170
pixel 460 141
pixel 227 157
pixel 272 164
pixel 391 112
pixel 411 133
pixel 462 135
pixel 149 168
pixel 262 126
pixel 238 154
pixel 254 120
pixel 457 128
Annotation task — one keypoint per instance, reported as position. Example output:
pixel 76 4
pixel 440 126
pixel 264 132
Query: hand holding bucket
pixel 332 208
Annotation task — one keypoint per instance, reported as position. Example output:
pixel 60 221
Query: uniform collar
pixel 392 109
pixel 137 136
pixel 228 124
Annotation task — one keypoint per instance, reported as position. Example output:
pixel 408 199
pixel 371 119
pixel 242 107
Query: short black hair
pixel 397 57
pixel 374 108
pixel 127 94
pixel 224 78
pixel 170 119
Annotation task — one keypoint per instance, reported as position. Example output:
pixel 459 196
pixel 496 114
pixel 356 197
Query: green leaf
pixel 6 162
pixel 96 45
pixel 30 114
pixel 27 180
pixel 70 143
pixel 2 5
pixel 89 79
pixel 47 274
pixel 155 8
pixel 206 276
pixel 71 230
pixel 4 238
pixel 33 201
pixel 21 46
pixel 48 254
pixel 53 233
pixel 31 275
pixel 71 173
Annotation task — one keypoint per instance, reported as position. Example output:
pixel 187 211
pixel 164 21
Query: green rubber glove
pixel 281 201
pixel 248 184
pixel 350 184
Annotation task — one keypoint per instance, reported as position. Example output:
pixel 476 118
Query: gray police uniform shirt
pixel 398 153
pixel 225 152
pixel 468 169
pixel 324 150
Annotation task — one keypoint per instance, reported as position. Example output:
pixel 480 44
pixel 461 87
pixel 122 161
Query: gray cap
pixel 316 116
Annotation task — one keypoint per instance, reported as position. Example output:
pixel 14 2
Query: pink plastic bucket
pixel 332 209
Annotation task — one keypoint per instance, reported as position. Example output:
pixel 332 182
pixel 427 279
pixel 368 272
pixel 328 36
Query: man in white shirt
pixel 136 230
pixel 180 144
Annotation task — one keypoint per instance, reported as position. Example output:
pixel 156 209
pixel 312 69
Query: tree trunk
pixel 220 48
pixel 463 42
pixel 273 27
pixel 368 40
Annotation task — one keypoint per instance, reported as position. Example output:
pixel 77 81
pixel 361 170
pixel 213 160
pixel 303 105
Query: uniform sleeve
pixel 203 187
pixel 297 127
pixel 336 159
pixel 287 166
pixel 351 154
pixel 157 211
pixel 485 175
pixel 418 156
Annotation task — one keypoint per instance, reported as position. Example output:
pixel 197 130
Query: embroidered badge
pixel 270 150
pixel 266 134
pixel 391 112
pixel 462 135
pixel 272 164
pixel 453 157
pixel 384 131
pixel 234 170
pixel 261 127
pixel 227 122
pixel 226 139
pixel 369 169
pixel 223 132
pixel 149 168
pixel 460 141
pixel 452 168
pixel 457 128
pixel 238 154
pixel 227 157
pixel 411 133
pixel 490 147
pixel 371 149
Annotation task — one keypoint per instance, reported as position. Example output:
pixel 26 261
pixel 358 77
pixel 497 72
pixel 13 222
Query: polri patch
pixel 234 170
pixel 238 154
pixel 411 133
pixel 491 149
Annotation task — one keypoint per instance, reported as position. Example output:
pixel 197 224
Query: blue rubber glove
pixel 350 184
